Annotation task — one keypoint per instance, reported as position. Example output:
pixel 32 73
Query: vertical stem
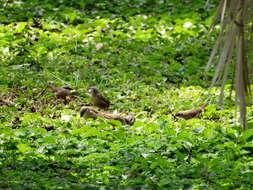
pixel 241 63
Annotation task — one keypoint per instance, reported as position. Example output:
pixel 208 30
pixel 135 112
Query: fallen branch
pixel 89 112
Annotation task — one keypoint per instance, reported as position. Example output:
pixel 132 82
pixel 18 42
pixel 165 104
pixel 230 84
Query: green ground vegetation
pixel 148 58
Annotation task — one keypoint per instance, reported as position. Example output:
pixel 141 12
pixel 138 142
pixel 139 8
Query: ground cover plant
pixel 148 58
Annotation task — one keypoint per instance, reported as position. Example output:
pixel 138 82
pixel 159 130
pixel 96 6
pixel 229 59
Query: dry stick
pixel 93 113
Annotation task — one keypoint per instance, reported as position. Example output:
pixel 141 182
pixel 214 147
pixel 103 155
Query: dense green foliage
pixel 148 57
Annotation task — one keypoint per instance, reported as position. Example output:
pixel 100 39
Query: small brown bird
pixel 87 113
pixel 48 128
pixel 189 114
pixel 61 92
pixel 130 119
pixel 98 99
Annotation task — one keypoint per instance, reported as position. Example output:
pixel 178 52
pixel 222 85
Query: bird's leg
pixel 65 101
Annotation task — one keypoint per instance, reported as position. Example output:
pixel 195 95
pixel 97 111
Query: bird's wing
pixel 67 87
pixel 102 98
pixel 54 89
pixel 63 93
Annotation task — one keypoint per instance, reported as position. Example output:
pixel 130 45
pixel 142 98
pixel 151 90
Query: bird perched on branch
pixel 189 114
pixel 61 92
pixel 98 99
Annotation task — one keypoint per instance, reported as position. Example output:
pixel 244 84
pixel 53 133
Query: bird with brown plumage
pixel 189 114
pixel 98 99
pixel 61 92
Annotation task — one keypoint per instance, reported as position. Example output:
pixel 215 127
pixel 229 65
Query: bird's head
pixel 93 90
pixel 83 111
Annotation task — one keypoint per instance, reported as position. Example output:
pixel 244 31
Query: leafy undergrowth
pixel 148 58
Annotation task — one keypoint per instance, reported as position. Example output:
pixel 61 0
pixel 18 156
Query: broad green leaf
pixel 20 27
pixel 115 123
pixel 24 148
pixel 246 135
pixel 49 139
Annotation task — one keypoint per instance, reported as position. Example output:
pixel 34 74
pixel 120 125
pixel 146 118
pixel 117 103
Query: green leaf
pixel 20 27
pixel 246 135
pixel 24 148
pixel 115 123
pixel 49 139
pixel 91 132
